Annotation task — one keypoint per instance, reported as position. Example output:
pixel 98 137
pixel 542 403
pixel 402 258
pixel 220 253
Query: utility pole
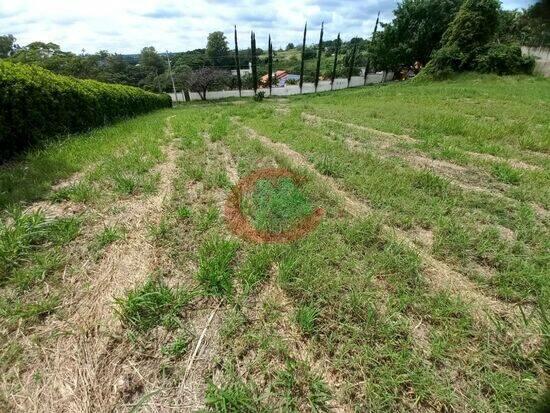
pixel 171 77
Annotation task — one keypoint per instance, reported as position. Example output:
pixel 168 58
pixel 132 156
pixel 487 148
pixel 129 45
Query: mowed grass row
pixel 467 225
pixel 45 247
pixel 345 318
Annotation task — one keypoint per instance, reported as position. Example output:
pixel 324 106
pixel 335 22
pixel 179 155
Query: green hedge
pixel 36 104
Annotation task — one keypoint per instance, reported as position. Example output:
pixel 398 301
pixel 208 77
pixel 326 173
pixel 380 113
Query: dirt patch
pixel 241 226
pixel 422 237
pixel 512 162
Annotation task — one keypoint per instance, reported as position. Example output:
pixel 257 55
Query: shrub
pixel 258 97
pixel 467 45
pixel 504 60
pixel 36 103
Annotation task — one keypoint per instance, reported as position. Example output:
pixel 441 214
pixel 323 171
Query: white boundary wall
pixel 542 58
pixel 324 85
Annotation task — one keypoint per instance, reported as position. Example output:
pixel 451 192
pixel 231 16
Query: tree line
pixel 419 30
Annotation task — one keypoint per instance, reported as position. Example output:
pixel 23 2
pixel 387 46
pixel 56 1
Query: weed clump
pixel 215 270
pixel 151 305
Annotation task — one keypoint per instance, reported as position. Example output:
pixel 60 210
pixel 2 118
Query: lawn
pixel 424 286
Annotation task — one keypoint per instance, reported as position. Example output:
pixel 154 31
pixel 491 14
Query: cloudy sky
pixel 125 26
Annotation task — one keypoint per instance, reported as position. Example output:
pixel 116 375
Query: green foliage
pixel 474 25
pixel 7 45
pixel 504 59
pixel 306 317
pixel 22 234
pixel 233 397
pixel 258 97
pixel 108 236
pixel 78 192
pixel 219 128
pixel 37 104
pixel 179 346
pixel 18 238
pixel 151 305
pixel 505 173
pixel 275 206
pixel 414 33
pixel 216 49
pixel 467 44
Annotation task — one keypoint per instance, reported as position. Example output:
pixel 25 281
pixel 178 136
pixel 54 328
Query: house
pixel 280 77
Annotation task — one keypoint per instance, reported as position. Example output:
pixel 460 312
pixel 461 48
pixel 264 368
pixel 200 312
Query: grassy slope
pixel 350 316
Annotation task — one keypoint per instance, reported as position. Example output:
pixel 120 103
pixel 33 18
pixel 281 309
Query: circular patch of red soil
pixel 240 224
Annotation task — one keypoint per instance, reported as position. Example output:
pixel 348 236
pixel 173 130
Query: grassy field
pixel 425 287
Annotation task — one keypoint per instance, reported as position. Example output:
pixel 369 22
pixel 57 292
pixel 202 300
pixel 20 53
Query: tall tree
pixel 217 50
pixel 319 54
pixel 352 63
pixel 151 61
pixel 238 63
pixel 270 65
pixel 367 66
pixel 254 62
pixel 473 27
pixel 414 34
pixel 302 64
pixel 336 50
pixel 7 45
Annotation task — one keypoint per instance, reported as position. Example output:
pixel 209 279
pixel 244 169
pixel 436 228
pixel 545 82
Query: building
pixel 280 77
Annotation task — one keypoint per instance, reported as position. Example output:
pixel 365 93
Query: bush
pixel 258 97
pixel 467 45
pixel 36 103
pixel 504 60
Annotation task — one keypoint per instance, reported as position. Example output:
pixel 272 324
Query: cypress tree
pixel 367 67
pixel 238 63
pixel 319 52
pixel 303 55
pixel 254 62
pixel 352 63
pixel 335 62
pixel 270 65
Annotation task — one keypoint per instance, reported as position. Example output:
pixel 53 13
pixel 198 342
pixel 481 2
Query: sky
pixel 126 26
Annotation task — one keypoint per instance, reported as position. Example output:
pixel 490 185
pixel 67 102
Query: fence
pixel 542 58
pixel 324 86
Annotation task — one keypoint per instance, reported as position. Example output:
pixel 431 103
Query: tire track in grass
pixel 308 117
pixel 440 275
pixel 300 348
pixel 314 119
pixel 86 369
pixel 269 291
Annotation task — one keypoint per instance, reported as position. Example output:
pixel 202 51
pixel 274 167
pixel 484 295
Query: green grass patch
pixel 215 274
pixel 276 205
pixel 151 305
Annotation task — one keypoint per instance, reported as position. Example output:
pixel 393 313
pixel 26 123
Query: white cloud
pixel 125 26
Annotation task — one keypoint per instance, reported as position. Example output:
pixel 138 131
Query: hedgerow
pixel 36 104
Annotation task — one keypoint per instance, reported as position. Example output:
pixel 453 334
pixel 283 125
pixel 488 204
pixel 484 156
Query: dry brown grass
pixel 84 364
